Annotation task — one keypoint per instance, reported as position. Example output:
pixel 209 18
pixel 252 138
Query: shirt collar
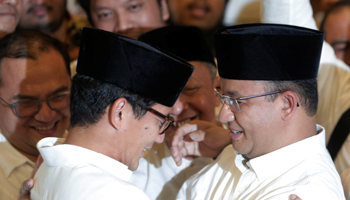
pixel 11 159
pixel 55 153
pixel 285 158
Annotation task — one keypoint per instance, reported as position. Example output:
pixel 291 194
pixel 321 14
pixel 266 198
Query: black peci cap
pixel 268 52
pixel 132 65
pixel 187 42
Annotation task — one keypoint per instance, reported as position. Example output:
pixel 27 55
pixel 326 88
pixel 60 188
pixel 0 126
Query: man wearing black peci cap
pixel 119 108
pixel 158 175
pixel 269 90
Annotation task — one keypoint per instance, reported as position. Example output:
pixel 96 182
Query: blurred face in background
pixel 337 30
pixel 205 14
pixel 26 79
pixel 45 15
pixel 129 17
pixel 198 99
pixel 10 11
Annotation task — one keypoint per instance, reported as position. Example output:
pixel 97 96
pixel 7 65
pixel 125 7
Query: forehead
pixel 47 2
pixel 338 21
pixel 115 4
pixel 241 87
pixel 47 70
pixel 201 71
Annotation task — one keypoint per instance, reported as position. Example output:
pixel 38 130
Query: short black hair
pixel 334 8
pixel 90 97
pixel 212 70
pixel 306 90
pixel 28 44
pixel 85 4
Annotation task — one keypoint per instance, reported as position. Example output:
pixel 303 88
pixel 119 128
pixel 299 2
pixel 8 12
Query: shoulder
pixel 83 182
pixel 320 176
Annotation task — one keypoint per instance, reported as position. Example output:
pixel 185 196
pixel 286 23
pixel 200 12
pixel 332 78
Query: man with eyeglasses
pixel 268 89
pixel 158 175
pixel 119 108
pixel 34 102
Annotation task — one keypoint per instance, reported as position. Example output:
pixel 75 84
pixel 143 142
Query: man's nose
pixel 45 114
pixel 226 114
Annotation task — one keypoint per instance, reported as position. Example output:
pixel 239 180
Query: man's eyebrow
pixel 23 96
pixel 60 89
pixel 128 1
pixel 232 93
pixel 103 7
pixel 338 42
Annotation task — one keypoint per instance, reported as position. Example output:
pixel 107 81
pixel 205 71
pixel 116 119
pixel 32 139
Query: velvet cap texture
pixel 187 42
pixel 132 65
pixel 268 52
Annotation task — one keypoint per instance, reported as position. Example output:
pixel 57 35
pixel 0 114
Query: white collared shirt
pixel 159 176
pixel 15 168
pixel 333 77
pixel 303 168
pixel 73 172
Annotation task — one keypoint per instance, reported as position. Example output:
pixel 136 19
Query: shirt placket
pixel 245 181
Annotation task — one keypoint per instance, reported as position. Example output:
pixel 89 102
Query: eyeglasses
pixel 32 107
pixel 233 103
pixel 168 121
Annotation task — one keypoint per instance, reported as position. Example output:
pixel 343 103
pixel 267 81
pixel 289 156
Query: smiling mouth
pixel 237 132
pixel 44 128
pixel 198 10
pixel 7 13
pixel 179 124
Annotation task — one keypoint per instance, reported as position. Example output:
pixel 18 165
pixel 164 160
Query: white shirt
pixel 15 168
pixel 73 68
pixel 333 77
pixel 345 180
pixel 159 176
pixel 73 172
pixel 2 138
pixel 303 168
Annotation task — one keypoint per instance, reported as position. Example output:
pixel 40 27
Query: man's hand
pixel 24 192
pixel 198 138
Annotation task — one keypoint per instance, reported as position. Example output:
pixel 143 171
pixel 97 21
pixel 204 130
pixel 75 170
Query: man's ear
pixel 290 104
pixel 117 112
pixel 164 10
pixel 217 84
